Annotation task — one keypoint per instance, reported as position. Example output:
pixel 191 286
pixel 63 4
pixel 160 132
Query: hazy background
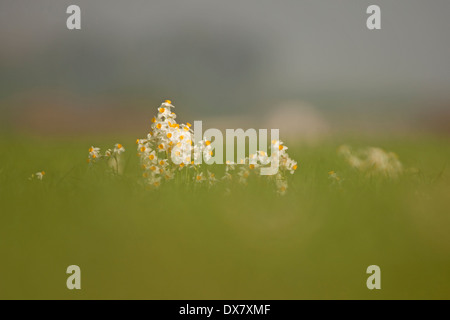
pixel 310 67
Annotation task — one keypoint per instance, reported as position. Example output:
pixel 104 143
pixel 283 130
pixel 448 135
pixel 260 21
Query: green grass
pixel 316 242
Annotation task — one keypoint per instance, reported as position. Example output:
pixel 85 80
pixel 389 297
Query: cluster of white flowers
pixel 373 161
pixel 95 154
pixel 112 156
pixel 253 164
pixel 167 148
pixel 169 151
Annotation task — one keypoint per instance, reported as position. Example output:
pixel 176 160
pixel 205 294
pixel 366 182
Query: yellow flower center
pixel 207 142
pixel 142 149
pixel 153 119
pixel 295 167
pixel 158 126
pixel 161 146
pixel 252 166
pixel 119 146
pixel 161 110
pixel 169 135
pixel 280 147
pixel 151 157
pixel 168 101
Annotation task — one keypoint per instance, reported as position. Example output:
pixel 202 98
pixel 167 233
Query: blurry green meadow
pixel 176 243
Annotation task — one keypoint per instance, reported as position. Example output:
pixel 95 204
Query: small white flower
pixel 199 177
pixel 212 178
pixel 118 148
pixel 108 153
pixel 94 153
pixel 167 104
pixel 38 175
pixel 291 165
pixel 279 146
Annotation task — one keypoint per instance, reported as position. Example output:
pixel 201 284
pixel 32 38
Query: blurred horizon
pixel 224 60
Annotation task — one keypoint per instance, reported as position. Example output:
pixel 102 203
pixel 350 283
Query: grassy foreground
pixel 314 243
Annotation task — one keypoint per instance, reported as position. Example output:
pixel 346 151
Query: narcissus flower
pixel 199 177
pixel 169 152
pixel 118 148
pixel 38 175
pixel 112 157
